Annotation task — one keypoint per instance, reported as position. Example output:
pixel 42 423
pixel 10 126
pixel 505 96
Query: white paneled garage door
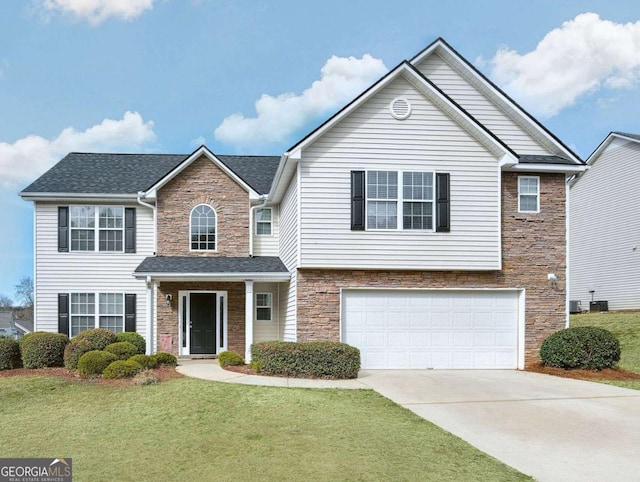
pixel 432 329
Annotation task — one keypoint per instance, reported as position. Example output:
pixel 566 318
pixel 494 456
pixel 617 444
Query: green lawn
pixel 194 430
pixel 626 327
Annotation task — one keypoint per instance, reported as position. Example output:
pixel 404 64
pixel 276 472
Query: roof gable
pixel 614 139
pixel 506 104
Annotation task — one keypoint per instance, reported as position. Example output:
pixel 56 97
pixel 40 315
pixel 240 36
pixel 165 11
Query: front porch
pixel 202 306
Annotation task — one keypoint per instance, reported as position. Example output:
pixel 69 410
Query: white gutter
pixel 264 198
pixel 552 168
pixel 141 194
pixel 239 276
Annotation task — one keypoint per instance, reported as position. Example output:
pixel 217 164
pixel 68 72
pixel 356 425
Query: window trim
pixel 96 309
pixel 215 225
pixel 537 195
pixel 400 200
pixel 258 306
pixel 270 222
pixel 96 228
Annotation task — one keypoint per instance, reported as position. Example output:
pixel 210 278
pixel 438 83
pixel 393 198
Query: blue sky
pixel 252 77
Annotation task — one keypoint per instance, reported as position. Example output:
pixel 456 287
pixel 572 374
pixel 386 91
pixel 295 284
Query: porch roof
pixel 219 268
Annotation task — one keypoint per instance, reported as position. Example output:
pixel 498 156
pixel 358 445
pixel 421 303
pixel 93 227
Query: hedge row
pixel 318 359
pixel 586 347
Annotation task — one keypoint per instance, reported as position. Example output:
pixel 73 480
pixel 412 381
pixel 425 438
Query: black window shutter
pixel 63 313
pixel 443 224
pixel 130 312
pixel 357 201
pixel 63 228
pixel 129 230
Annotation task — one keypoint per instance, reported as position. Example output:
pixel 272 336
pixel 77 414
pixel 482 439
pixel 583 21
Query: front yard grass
pixel 188 429
pixel 626 328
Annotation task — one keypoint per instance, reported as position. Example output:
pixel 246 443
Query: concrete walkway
pixel 555 429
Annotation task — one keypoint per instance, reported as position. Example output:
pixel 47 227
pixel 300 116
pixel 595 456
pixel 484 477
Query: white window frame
pixel 215 226
pixel 258 222
pixel 96 228
pixel 96 310
pixel 400 200
pixel 536 194
pixel 264 306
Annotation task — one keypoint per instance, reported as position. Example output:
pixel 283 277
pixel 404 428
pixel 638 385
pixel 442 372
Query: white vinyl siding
pixel 288 252
pixel 478 105
pixel 84 272
pixel 605 230
pixel 267 330
pixel 265 245
pixel 428 141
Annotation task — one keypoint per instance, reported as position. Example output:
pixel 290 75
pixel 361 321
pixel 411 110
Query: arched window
pixel 203 228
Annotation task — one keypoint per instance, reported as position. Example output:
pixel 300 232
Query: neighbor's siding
pixel 288 252
pixel 605 230
pixel 268 245
pixel 76 272
pixel 479 106
pixel 371 139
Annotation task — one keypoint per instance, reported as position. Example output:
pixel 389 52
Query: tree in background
pixel 24 294
pixel 5 301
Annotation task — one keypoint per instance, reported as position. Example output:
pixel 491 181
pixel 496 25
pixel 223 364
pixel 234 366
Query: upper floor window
pixel 203 228
pixel 102 223
pixel 384 199
pixel 263 222
pixel 528 194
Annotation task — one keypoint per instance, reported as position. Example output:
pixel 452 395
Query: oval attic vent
pixel 400 108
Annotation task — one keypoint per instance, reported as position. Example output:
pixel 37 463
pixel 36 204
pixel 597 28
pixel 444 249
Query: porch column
pixel 150 309
pixel 248 319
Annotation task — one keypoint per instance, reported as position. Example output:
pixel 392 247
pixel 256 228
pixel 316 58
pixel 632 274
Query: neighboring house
pixel 11 326
pixel 420 224
pixel 605 226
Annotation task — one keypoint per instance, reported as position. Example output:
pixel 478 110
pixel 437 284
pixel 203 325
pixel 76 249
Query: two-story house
pixel 424 223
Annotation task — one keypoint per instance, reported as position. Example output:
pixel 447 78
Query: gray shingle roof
pixel 203 265
pixel 93 173
pixel 626 134
pixel 540 159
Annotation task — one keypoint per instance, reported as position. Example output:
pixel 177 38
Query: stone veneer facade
pixel 533 245
pixel 203 182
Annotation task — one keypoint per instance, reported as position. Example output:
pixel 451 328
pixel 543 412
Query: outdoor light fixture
pixel 168 299
pixel 552 278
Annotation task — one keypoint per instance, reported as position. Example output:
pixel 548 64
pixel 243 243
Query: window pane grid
pixel 203 228
pixel 417 215
pixel 109 228
pixel 263 221
pixel 263 306
pixel 528 194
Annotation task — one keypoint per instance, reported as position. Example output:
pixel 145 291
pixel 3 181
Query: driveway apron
pixel 555 429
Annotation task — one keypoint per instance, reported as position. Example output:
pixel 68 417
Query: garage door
pixel 432 329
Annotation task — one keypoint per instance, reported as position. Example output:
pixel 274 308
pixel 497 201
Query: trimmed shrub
pixel 40 349
pixel 73 351
pixel 318 359
pixel 163 358
pixel 98 337
pixel 9 354
pixel 121 369
pixel 229 359
pixel 145 361
pixel 586 347
pixel 145 377
pixel 135 339
pixel 93 363
pixel 122 349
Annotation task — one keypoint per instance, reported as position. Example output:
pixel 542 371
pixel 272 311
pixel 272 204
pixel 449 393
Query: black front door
pixel 203 323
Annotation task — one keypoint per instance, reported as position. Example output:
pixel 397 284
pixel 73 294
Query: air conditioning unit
pixel 595 306
pixel 575 307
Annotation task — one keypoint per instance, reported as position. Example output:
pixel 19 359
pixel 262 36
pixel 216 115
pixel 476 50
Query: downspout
pixel 264 198
pixel 141 194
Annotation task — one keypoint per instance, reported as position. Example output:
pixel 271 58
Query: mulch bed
pixel 245 369
pixel 163 374
pixel 617 374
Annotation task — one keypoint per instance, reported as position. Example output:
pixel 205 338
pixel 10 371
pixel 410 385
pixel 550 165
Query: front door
pixel 203 323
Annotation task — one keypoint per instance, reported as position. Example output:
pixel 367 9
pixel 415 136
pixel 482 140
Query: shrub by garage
pixel 318 359
pixel 586 347
pixel 40 349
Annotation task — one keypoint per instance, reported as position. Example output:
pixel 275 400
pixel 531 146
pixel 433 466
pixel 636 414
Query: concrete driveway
pixel 555 429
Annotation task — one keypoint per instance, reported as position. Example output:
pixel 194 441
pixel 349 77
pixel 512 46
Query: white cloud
pixel 31 156
pixel 342 78
pixel 94 11
pixel 580 57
